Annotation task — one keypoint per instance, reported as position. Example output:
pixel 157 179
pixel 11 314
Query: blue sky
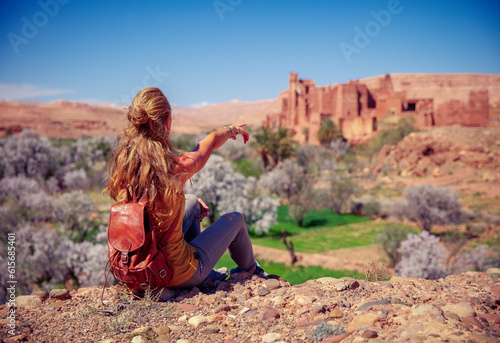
pixel 219 50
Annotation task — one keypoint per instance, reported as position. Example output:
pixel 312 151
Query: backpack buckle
pixel 124 258
pixel 162 273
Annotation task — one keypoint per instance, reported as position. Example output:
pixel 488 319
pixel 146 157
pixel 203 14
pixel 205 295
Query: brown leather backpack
pixel 136 257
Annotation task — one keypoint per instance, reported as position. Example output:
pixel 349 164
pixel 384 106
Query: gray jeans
pixel 229 233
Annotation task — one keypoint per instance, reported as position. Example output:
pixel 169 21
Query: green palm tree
pixel 273 145
pixel 328 132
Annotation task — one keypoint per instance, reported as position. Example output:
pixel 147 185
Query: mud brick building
pixel 357 108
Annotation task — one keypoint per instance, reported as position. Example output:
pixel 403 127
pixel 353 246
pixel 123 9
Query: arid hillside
pixel 65 119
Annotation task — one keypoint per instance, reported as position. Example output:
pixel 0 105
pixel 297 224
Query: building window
pixel 412 106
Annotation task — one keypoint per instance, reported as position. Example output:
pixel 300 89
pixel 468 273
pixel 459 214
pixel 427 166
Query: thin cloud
pixel 13 91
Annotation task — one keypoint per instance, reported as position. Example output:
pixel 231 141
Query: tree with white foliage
pixel 430 205
pixel 224 191
pixel 422 256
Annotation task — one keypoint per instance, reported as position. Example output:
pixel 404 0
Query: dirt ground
pixel 348 259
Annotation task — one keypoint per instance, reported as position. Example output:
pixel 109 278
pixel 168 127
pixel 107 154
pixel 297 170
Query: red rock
pixel 304 321
pixel 495 290
pixel 369 333
pixel 491 318
pixel 474 322
pixel 269 313
pixel 187 307
pixel 334 339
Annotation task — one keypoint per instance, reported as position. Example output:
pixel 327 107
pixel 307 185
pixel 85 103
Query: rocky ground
pixel 246 308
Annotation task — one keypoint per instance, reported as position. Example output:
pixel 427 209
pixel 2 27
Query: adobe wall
pixel 357 107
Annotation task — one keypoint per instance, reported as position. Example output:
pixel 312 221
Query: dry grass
pixel 376 271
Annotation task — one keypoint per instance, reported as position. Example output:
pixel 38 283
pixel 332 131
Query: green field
pixel 323 230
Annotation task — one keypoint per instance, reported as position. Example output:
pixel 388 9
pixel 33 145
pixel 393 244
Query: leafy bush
pixel 390 133
pixel 27 154
pixel 316 158
pixel 292 183
pixel 430 205
pixel 324 330
pixel 422 256
pixel 390 240
pixel 248 167
pixel 76 179
pixel 74 212
pixel 473 259
pixel 338 197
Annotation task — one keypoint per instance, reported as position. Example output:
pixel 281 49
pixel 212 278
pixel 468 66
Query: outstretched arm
pixel 192 162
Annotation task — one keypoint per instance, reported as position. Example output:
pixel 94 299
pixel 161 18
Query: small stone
pixel 303 301
pixel 369 333
pixel 59 294
pixel 334 339
pixel 271 337
pixel 196 321
pixel 473 321
pixel 370 304
pixel 222 308
pixel 40 294
pixel 396 279
pixel 263 291
pixel 493 272
pixel 319 309
pixel 364 320
pixel 495 290
pixel 210 329
pixel 272 284
pixel 353 284
pixel 452 316
pixel 187 307
pixel 398 301
pixel 162 330
pixel 138 339
pixel 341 286
pixel 250 314
pixel 426 310
pixel 141 330
pixel 335 314
pixel 268 313
pixel 491 318
pixel 463 309
pixel 28 301
pixel 345 303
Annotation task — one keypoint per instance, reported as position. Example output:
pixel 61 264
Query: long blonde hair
pixel 143 159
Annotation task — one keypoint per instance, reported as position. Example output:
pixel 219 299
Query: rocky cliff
pixel 245 308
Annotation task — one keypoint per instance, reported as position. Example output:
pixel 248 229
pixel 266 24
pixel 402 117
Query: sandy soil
pixel 348 259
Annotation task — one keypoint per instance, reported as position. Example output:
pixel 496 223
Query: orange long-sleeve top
pixel 180 253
